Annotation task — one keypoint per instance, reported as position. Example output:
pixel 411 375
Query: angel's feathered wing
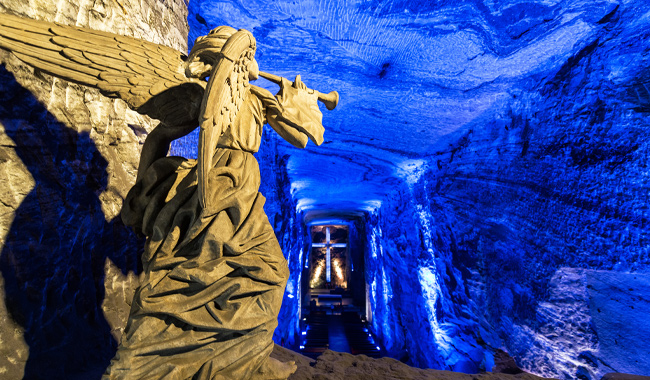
pixel 150 78
pixel 226 92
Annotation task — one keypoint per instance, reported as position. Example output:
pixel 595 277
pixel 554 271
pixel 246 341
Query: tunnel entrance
pixel 333 299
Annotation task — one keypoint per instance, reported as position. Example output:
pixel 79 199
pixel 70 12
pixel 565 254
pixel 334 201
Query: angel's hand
pixel 296 93
pixel 169 133
pixel 300 106
pixel 158 142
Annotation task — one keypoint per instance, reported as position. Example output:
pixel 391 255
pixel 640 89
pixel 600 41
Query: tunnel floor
pixel 338 341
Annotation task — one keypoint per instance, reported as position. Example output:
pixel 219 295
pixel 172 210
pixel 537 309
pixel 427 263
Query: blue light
pixel 304 333
pixel 302 347
pixel 378 348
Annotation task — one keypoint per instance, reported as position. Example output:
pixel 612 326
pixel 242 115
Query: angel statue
pixel 214 273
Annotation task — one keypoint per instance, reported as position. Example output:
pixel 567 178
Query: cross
pixel 328 244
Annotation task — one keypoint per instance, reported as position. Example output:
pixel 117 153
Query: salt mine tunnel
pixel 483 187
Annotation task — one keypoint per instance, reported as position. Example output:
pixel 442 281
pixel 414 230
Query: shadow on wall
pixel 55 252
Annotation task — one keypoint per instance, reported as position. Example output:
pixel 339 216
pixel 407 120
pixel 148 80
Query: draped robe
pixel 214 276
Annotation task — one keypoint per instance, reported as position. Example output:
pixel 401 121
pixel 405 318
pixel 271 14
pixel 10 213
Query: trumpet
pixel 330 100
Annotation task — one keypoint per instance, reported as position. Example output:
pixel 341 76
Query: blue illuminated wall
pixel 421 308
pixel 523 229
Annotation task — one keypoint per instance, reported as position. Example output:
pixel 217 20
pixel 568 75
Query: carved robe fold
pixel 214 278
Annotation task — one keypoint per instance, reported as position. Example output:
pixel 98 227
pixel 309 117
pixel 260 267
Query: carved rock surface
pixel 68 156
pixel 594 322
pixel 333 365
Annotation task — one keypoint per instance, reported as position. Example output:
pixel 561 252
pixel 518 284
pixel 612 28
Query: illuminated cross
pixel 328 244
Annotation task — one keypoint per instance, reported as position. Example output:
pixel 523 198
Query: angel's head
pixel 206 51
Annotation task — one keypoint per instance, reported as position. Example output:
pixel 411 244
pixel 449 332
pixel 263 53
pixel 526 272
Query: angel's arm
pixel 300 109
pixel 157 144
pixel 294 114
pixel 273 111
pixel 286 131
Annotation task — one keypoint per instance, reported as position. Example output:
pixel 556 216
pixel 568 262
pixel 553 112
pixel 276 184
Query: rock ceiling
pixel 410 75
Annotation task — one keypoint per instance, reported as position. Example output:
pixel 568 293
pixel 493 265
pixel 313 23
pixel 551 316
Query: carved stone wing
pixel 136 71
pixel 226 92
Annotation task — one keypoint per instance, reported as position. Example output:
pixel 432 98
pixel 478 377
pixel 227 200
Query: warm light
pixel 316 277
pixel 337 269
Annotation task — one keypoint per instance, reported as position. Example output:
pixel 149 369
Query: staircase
pixel 316 335
pixel 344 332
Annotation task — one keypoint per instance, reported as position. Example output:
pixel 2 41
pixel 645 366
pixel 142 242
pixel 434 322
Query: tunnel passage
pixel 333 297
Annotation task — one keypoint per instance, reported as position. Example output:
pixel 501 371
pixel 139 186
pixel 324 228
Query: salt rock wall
pixel 424 310
pixel 68 156
pixel 593 322
pixel 491 226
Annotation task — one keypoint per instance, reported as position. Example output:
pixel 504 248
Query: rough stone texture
pixel 492 226
pixel 566 329
pixel 593 322
pixel 557 180
pixel 619 308
pixel 421 309
pixel 67 158
pixel 333 365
